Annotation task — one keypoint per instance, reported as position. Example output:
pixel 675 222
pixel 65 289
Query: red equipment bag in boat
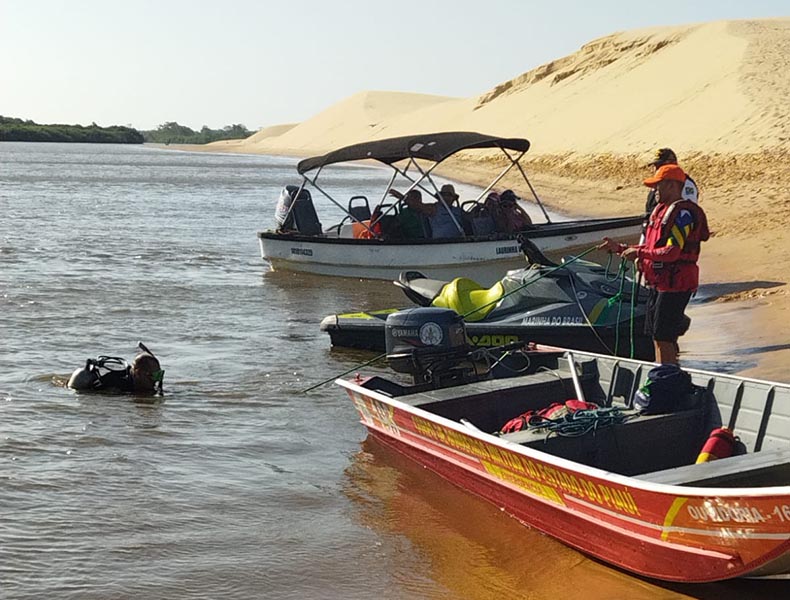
pixel 554 411
pixel 720 444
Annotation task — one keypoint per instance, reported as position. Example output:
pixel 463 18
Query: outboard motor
pixel 295 211
pixel 429 344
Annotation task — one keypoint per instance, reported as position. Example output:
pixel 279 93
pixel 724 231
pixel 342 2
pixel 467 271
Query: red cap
pixel 672 172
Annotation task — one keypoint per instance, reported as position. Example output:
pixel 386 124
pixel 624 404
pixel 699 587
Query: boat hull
pixel 483 259
pixel 365 331
pixel 668 532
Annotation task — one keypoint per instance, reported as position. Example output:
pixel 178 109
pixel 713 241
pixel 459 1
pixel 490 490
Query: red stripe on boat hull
pixel 626 549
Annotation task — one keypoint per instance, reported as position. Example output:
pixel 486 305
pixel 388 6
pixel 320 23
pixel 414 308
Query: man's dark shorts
pixel 666 320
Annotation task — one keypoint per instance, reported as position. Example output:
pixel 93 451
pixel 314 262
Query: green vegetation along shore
pixel 173 133
pixel 18 130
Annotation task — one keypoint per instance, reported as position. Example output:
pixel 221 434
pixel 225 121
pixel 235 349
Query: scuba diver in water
pixel 143 376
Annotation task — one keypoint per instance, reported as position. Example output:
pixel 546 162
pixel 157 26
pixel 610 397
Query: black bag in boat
pixel 668 388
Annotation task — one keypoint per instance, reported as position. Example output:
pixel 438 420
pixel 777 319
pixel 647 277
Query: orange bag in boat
pixel 720 444
pixel 361 231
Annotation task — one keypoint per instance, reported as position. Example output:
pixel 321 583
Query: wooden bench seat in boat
pixel 754 469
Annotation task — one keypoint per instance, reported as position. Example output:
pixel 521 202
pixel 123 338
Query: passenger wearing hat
pixel 668 259
pixel 445 216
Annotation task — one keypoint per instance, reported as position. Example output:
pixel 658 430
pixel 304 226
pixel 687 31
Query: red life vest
pixel 679 271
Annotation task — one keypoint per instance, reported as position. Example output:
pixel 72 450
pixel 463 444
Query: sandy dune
pixel 361 117
pixel 717 93
pixel 709 88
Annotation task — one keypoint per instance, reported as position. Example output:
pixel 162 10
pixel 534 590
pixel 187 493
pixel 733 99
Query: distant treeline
pixel 18 130
pixel 173 133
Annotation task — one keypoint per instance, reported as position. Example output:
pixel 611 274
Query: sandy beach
pixel 714 92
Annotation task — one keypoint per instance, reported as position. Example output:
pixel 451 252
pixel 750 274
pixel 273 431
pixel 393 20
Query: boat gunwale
pixel 541 230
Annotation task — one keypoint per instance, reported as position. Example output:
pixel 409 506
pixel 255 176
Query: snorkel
pixel 158 375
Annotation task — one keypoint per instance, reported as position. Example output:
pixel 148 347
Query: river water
pixel 233 484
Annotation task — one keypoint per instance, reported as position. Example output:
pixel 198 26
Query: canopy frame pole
pixel 506 170
pixel 514 162
pixel 383 197
pixel 415 183
pixel 389 186
pixel 336 203
pixel 395 173
pixel 529 183
pixel 424 176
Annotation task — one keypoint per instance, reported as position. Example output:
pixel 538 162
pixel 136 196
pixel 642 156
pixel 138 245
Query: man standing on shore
pixel 668 259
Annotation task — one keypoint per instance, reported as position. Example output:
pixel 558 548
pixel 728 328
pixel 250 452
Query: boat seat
pixel 644 443
pixel 754 469
pixel 464 296
pixel 358 208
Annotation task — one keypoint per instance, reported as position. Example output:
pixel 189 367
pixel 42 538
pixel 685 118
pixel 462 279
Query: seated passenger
pixel 411 215
pixel 507 213
pixel 446 217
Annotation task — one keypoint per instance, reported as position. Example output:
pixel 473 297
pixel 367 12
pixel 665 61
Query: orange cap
pixel 673 172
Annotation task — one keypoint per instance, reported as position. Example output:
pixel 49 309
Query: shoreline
pixel 749 222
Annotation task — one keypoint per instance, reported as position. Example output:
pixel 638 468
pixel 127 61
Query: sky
pixel 261 62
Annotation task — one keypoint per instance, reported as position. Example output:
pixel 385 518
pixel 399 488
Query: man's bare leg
pixel 666 352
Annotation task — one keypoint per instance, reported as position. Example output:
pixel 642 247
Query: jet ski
pixel 578 305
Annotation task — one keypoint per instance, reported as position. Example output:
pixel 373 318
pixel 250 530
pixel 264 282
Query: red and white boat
pixel 629 494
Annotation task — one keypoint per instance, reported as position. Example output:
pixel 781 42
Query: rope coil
pixel 580 422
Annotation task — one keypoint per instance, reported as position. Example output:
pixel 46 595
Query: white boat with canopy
pixel 359 247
